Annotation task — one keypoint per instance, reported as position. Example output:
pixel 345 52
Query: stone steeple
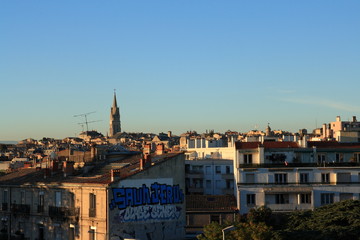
pixel 115 125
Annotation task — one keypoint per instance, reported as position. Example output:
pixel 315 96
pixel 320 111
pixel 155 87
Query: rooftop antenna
pixel 85 116
pixel 82 124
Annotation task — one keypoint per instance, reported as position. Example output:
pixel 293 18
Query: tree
pixel 254 227
pixel 340 220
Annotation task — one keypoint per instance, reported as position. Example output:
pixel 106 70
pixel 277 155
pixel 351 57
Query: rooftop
pixel 99 174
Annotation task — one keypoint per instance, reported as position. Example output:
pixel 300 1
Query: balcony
pixel 20 209
pixel 289 207
pixel 92 212
pixel 194 174
pixel 299 164
pixel 192 190
pixel 227 176
pixel 64 213
pixel 4 206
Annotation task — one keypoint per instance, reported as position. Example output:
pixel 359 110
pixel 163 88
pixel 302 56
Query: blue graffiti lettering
pixel 148 213
pixel 157 194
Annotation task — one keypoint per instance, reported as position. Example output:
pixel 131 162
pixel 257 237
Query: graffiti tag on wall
pixel 162 194
pixel 149 213
pixel 154 203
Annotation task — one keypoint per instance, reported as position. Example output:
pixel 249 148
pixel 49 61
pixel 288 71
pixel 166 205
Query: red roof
pixel 252 145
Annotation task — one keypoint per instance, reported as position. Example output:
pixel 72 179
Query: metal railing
pixel 20 208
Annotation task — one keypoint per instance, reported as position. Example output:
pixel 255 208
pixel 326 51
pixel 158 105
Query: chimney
pixel 160 149
pixel 145 161
pixel 147 148
pixel 354 119
pixel 68 168
pixel 27 164
pixel 115 174
pixel 338 119
pixel 169 134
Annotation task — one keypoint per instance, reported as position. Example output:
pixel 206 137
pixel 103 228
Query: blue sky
pixel 177 65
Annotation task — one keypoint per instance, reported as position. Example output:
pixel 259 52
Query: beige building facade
pixel 38 204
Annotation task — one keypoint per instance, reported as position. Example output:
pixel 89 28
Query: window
pixel 22 197
pixel 281 198
pixel 217 169
pixel 58 199
pixel 325 178
pixel 21 227
pixel 72 232
pixel 250 199
pixel 357 157
pixel 92 233
pixel 4 206
pixel 214 218
pixel 247 158
pixel 327 198
pixel 218 184
pixel 5 196
pixel 321 158
pixel 228 170
pixel 229 184
pixel 305 198
pixel 92 202
pixel 41 202
pixel 208 183
pixel 280 178
pixel 339 157
pixel 304 178
pixel 197 168
pixel 41 233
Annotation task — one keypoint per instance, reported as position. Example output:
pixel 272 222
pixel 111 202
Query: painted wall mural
pixel 154 203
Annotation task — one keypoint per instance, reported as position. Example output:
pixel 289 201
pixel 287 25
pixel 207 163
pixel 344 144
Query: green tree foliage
pixel 253 228
pixel 335 221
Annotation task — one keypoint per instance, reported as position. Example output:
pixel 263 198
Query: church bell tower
pixel 115 125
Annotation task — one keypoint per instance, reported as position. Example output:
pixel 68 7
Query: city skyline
pixel 177 66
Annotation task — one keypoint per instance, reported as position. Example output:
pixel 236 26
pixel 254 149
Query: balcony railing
pixel 4 206
pixel 195 190
pixel 20 208
pixel 227 176
pixel 299 164
pixel 63 213
pixel 289 207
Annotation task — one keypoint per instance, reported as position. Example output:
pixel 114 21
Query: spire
pixel 114 102
pixel 115 124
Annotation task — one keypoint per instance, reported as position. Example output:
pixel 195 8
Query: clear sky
pixel 177 65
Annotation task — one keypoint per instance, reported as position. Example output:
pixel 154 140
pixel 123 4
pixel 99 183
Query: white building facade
pixel 285 177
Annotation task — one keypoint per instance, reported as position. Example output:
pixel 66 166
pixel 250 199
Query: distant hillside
pixel 8 142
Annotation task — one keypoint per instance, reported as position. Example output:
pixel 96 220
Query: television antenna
pixel 86 123
pixel 85 116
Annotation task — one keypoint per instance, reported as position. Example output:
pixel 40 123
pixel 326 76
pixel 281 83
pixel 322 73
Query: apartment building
pixel 209 166
pixel 285 176
pixel 136 197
